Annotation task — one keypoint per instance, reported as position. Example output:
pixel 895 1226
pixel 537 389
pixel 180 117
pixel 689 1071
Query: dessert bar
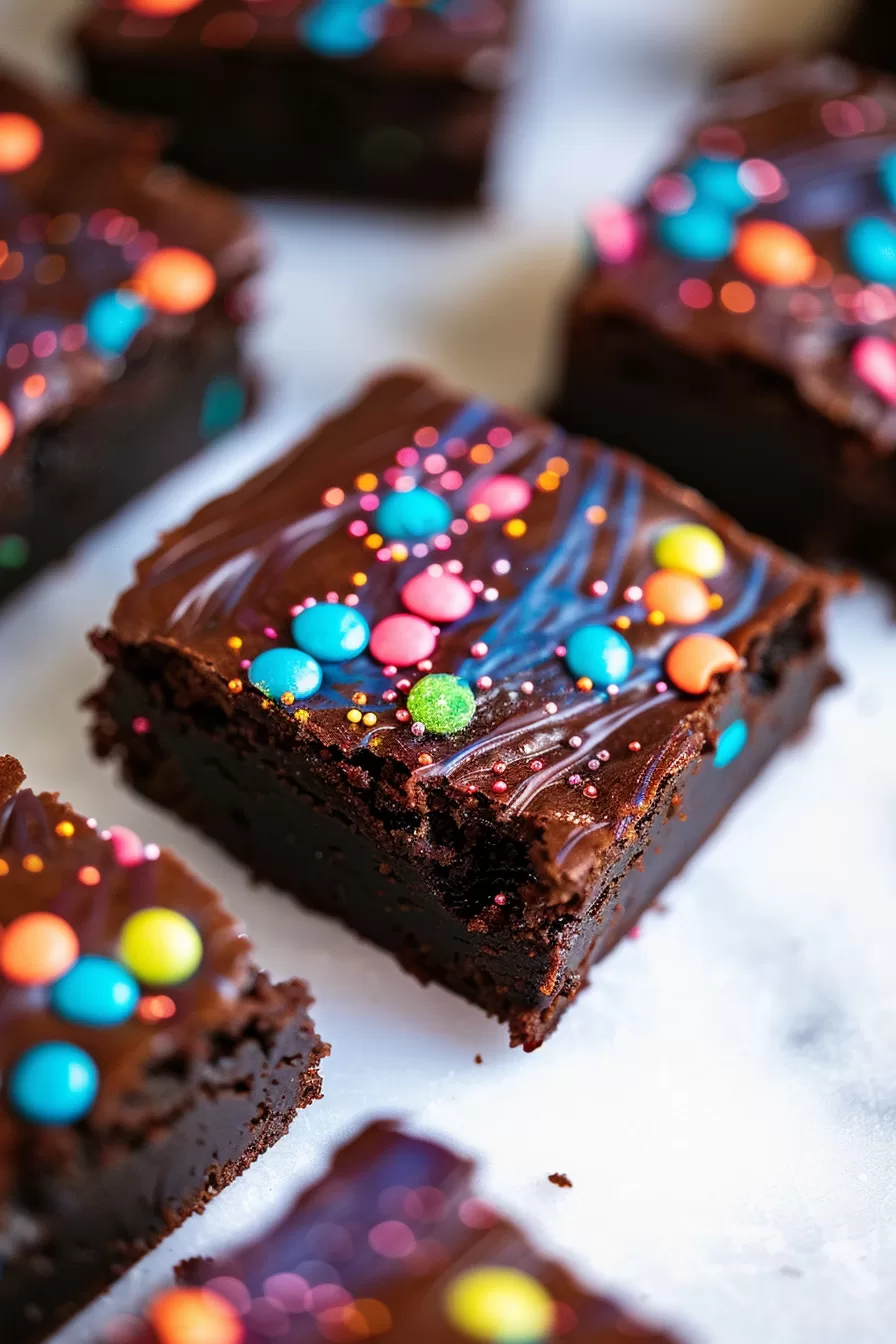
pixel 378 99
pixel 145 1060
pixel 475 687
pixel 120 310
pixel 737 328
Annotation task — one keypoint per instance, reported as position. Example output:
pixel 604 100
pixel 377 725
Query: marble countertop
pixel 723 1097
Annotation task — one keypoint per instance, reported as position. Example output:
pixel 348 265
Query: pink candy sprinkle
pixel 484 684
pixel 369 502
pixel 452 480
pixel 402 640
pixel 435 463
pixel 574 781
pixel 599 588
pixel 438 597
pixel 426 437
pixel 614 232
pixel 590 791
pixel 499 437
pixel 503 496
pixel 402 715
pixel 499 786
pixel 140 724
pixel 874 360
pixel 126 845
pixel 391 1239
pixel 479 649
pixel 575 741
pixel 695 293
pixel 527 687
pixel 407 457
pixel 358 528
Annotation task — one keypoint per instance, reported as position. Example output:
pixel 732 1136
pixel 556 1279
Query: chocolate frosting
pixel 572 769
pixel 126 1055
pixel 74 224
pixel 436 37
pixel 825 126
pixel 339 1246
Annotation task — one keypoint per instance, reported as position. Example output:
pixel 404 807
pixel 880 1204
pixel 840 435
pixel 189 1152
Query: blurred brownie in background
pixel 738 327
pixel 870 34
pixel 386 99
pixel 120 316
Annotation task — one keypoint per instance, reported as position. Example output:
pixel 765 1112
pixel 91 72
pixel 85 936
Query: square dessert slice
pixel 737 328
pixel 145 1060
pixel 475 687
pixel 365 98
pixel 119 304
pixel 392 1244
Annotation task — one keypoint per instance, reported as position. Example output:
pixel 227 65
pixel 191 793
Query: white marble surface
pixel 723 1096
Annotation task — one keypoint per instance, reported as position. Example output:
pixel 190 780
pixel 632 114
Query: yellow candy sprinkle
pixel 235 685
pixel 65 829
pixel 359 579
pixel 373 541
pixel 354 716
pixel 366 482
pixel 369 720
pixel 514 528
pixel 234 642
pixel 500 1305
pixel 33 863
pixel 692 547
pixel 160 946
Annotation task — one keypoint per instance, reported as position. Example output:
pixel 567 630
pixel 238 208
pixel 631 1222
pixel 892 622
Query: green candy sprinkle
pixel 13 551
pixel 443 704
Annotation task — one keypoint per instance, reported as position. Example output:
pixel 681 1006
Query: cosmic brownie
pixel 119 318
pixel 392 1244
pixel 145 1060
pixel 737 328
pixel 381 99
pixel 475 687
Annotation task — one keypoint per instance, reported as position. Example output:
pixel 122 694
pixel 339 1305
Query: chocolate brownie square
pixel 475 687
pixel 393 100
pixel 120 313
pixel 145 1060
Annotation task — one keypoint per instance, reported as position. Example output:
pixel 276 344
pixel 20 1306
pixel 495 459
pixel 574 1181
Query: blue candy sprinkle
pixel 340 27
pixel 731 743
pixel 871 248
pixel 223 405
pixel 702 233
pixel 412 515
pixel 113 320
pixel 279 672
pixel 599 653
pixel 96 992
pixel 888 175
pixel 717 183
pixel 331 632
pixel 54 1083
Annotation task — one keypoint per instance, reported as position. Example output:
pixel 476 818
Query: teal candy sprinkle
pixel 223 406
pixel 732 741
pixel 284 672
pixel 442 703
pixel 341 27
pixel 412 515
pixel 718 182
pixel 13 551
pixel 704 232
pixel 113 319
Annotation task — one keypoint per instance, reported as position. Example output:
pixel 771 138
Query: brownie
pixel 737 327
pixel 371 99
pixel 516 709
pixel 869 36
pixel 145 1060
pixel 392 1244
pixel 120 307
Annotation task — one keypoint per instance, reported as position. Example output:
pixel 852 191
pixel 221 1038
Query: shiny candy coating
pixel 175 280
pixel 681 597
pixel 774 253
pixel 731 743
pixel 693 662
pixel 703 232
pixel 96 992
pixel 437 596
pixel 284 672
pixel 113 320
pixel 53 1083
pixel 599 653
pixel 160 946
pixel 194 1316
pixel 412 515
pixel 21 140
pixel 127 846
pixel 871 248
pixel 693 548
pixel 718 181
pixel 503 496
pixel 442 703
pixel 331 632
pixel 402 640
pixel 874 360
pixel 500 1305
pixel 37 948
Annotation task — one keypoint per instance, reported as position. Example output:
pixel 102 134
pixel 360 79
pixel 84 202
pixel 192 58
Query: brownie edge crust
pixel 504 854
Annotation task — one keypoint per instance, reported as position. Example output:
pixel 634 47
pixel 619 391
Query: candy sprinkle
pixel 499 1305
pixel 442 703
pixel 37 948
pixel 160 946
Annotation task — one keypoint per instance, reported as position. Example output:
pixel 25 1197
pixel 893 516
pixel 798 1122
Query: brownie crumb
pixel 477 1059
pixel 560 1178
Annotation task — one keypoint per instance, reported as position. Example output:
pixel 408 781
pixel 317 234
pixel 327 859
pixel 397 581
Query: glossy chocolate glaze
pixel 382 1183
pixel 783 116
pixel 575 788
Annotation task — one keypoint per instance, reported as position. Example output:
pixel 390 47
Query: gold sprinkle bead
pixel 287 698
pixel 369 720
pixel 558 465
pixel 514 527
pixel 4 867
pixel 716 601
pixel 303 715
pixel 366 482
pixel 481 453
pixel 354 716
pixel 595 515
pixel 234 642
pixel 235 685
pixel 359 698
pixel 373 541
pixel 479 513
pixel 359 579
pixel 65 829
pixel 399 551
pixel 548 480
pixel 622 622
pixel 33 863
pixel 585 684
pixel 656 618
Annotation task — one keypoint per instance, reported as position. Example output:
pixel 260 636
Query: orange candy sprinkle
pixel 21 140
pixel 695 660
pixel 194 1316
pixel 37 949
pixel 7 427
pixel 161 7
pixel 680 597
pixel 773 253
pixel 175 280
